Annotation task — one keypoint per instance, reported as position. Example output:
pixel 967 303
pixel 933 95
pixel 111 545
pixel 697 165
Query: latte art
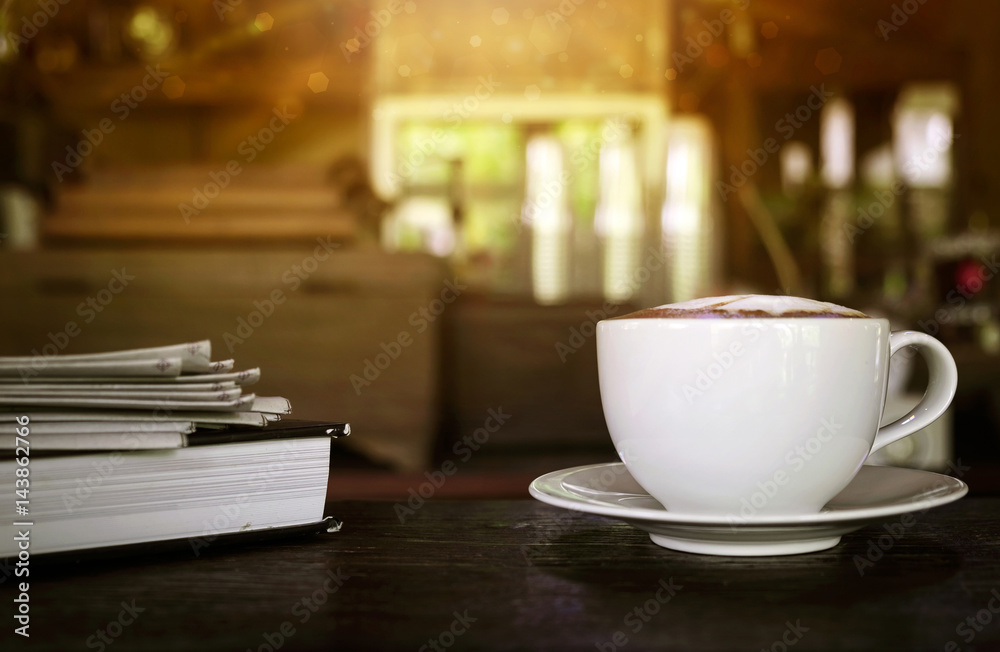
pixel 747 306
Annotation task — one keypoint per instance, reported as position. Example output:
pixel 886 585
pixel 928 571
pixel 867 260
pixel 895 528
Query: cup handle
pixel 940 388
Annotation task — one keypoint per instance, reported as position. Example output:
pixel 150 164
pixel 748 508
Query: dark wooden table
pixel 520 575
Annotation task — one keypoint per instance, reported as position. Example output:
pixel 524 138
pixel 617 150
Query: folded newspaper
pixel 138 398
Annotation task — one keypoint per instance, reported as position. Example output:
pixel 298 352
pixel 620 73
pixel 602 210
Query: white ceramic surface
pixel 751 417
pixel 876 494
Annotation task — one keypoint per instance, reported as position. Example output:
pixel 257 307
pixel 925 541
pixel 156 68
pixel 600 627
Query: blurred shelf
pixel 99 87
pixel 284 227
pixel 186 203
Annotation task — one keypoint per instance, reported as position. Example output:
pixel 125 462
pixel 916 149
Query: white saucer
pixel 875 493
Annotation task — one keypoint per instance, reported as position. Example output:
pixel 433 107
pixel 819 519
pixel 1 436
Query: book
pixel 123 449
pixel 224 482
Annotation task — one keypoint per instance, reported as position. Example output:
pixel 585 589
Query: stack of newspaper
pixel 126 400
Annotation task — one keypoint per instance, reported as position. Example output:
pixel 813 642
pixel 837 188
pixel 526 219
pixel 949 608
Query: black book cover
pixel 180 549
pixel 284 429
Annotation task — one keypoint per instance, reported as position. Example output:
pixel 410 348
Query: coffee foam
pixel 747 305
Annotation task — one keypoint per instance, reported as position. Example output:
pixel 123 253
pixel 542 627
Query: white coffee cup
pixel 755 417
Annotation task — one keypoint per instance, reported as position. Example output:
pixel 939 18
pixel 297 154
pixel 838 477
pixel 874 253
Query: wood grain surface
pixel 520 575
